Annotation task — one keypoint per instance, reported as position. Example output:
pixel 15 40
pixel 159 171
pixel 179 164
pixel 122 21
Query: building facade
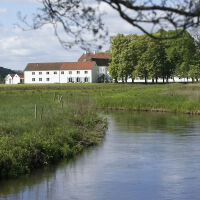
pixel 102 60
pixel 63 72
pixel 14 79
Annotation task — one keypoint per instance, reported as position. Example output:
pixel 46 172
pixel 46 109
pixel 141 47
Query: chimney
pixel 94 52
pixel 85 52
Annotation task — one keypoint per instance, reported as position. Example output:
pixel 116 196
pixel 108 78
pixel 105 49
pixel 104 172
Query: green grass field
pixel 59 131
pixel 62 130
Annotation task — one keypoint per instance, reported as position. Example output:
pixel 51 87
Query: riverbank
pixel 67 120
pixel 57 130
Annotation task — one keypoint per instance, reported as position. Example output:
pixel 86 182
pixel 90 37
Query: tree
pixel 181 53
pixel 114 66
pixel 124 57
pixel 78 18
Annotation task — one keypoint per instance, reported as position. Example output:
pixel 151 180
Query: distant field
pixel 155 97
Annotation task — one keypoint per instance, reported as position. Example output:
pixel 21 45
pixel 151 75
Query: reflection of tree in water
pixel 34 184
pixel 140 122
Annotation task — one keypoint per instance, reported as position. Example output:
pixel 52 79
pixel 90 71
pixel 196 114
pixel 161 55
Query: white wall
pixel 53 78
pixel 64 78
pixel 16 79
pixel 103 70
pixel 8 80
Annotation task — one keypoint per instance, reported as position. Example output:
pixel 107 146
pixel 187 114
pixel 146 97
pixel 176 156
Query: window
pixel 33 73
pixel 78 72
pixel 47 72
pixel 55 72
pixel 86 72
pixel 70 72
pixel 62 72
pixel 47 79
pixel 78 80
pixel 40 73
pixel 70 80
pixel 40 79
pixel 86 79
pixel 84 60
pixel 33 79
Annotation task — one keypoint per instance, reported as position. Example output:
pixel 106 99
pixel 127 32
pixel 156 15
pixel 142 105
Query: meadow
pixel 67 119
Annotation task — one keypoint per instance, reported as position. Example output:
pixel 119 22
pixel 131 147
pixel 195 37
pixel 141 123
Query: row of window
pixel 69 79
pixel 62 72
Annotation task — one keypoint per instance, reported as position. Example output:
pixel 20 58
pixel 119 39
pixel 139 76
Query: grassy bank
pixel 60 131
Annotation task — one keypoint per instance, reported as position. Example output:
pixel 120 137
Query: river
pixel 144 156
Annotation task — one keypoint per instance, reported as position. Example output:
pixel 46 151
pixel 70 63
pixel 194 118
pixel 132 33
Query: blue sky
pixel 21 47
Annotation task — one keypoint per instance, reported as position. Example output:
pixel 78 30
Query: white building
pixel 14 79
pixel 102 60
pixel 61 72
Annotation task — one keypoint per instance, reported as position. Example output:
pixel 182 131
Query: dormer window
pixel 84 60
pixel 40 73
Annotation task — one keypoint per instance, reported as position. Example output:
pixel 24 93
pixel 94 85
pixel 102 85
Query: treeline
pixel 142 57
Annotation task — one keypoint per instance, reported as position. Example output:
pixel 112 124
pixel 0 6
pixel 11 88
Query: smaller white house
pixel 14 79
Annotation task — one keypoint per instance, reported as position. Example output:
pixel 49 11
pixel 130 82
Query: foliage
pixel 140 56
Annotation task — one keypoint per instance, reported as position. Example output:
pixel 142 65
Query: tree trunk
pixel 145 79
pixel 133 80
pixel 163 79
pixel 152 80
pixel 156 79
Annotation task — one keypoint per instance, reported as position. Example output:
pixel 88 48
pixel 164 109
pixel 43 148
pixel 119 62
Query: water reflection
pixel 144 156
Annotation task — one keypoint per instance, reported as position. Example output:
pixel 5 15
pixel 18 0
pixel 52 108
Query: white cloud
pixel 34 46
pixel 3 10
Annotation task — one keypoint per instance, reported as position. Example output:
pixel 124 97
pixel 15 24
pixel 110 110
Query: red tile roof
pixel 89 56
pixel 77 65
pixel 12 75
pixel 21 75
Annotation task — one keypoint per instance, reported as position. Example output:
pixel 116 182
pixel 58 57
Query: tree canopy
pixel 144 57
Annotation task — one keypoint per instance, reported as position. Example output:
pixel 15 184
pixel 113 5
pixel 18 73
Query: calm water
pixel 145 156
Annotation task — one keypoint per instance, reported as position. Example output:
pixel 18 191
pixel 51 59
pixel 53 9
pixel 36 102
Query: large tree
pixel 80 17
pixel 124 57
pixel 181 52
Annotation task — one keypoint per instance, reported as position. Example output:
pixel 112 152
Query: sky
pixel 20 47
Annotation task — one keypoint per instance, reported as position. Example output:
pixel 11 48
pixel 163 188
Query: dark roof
pixel 43 66
pixel 59 66
pixel 101 62
pixel 90 56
